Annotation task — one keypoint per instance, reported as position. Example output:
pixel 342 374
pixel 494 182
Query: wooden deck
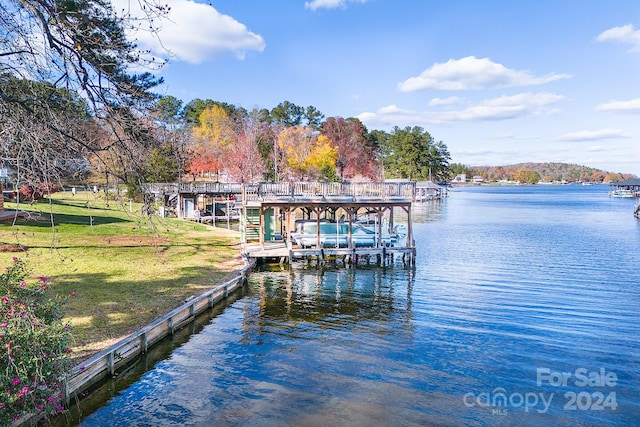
pixel 328 192
pixel 279 252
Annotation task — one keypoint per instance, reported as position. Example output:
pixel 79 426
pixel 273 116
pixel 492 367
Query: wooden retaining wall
pixel 109 361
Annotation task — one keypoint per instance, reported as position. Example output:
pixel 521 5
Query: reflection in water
pixel 423 212
pixel 429 211
pixel 319 295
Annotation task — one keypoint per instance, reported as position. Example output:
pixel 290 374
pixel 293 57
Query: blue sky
pixel 498 82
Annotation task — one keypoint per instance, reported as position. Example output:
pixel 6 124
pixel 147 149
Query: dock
pixel 628 188
pixel 270 212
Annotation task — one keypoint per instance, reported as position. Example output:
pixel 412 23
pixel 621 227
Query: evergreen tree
pixel 411 153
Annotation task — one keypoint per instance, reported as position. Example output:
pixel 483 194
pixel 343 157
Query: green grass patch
pixel 125 269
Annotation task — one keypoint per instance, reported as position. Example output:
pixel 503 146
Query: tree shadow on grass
pixel 60 219
pixel 41 218
pixel 35 219
pixel 105 309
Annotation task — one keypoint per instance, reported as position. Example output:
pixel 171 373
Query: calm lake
pixel 522 309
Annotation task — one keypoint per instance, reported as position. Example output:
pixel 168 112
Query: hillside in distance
pixel 547 172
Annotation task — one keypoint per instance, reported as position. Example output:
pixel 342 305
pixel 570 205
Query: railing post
pixel 111 363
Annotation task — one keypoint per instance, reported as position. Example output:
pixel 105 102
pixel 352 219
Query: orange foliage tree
pixel 212 139
pixel 307 154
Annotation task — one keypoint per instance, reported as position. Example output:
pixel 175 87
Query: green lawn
pixel 125 269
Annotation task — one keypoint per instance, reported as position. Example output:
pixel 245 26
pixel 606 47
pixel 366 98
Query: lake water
pixel 522 309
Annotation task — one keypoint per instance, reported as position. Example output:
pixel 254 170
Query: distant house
pixel 477 179
pixel 460 179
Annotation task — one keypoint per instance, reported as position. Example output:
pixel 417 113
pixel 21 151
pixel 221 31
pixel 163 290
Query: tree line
pixel 220 141
pixel 532 173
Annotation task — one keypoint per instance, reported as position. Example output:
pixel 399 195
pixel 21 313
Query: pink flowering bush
pixel 34 346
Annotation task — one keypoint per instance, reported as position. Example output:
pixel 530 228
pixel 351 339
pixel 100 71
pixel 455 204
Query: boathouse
pixel 200 201
pixel 335 214
pixel 429 190
pixel 626 188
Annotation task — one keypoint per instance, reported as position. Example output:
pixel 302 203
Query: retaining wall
pixel 119 355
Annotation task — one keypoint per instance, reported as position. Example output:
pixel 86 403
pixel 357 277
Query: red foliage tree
pixel 356 155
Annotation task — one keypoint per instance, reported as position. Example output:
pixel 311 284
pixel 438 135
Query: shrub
pixel 34 346
pixel 30 192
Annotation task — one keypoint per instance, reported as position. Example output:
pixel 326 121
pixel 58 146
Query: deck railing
pixel 354 191
pixel 294 191
pixel 161 188
pixel 196 187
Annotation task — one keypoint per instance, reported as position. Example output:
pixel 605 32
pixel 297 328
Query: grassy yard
pixel 125 269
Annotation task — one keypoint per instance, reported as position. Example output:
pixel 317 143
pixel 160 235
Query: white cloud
pixel 194 32
pixel 506 135
pixel 473 73
pixel 594 135
pixel 502 108
pixel 631 106
pixel 392 115
pixel 329 4
pixel 506 107
pixel 625 34
pixel 444 101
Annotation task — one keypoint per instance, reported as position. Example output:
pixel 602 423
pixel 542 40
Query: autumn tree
pixel 212 141
pixel 295 144
pixel 597 176
pixel 308 155
pixel 246 160
pixel 320 164
pixel 357 155
pixel 194 108
pixel 527 176
pixel 613 177
pixel 499 173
